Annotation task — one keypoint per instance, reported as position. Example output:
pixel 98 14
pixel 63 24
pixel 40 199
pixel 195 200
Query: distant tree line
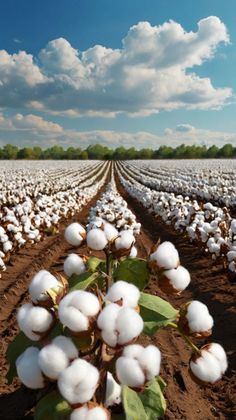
pixel 98 151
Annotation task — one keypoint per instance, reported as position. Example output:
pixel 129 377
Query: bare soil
pixel 210 284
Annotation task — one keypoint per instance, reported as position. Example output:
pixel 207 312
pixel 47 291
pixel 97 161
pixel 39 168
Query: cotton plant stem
pixel 108 269
pixel 186 339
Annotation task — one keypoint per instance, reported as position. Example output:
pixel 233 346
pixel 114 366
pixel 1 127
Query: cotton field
pixel 117 288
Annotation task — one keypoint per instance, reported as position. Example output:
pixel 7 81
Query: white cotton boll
pixel 7 246
pixel 113 391
pixel 129 324
pixel 125 240
pixel 199 319
pixel 129 294
pixel 79 413
pixel 75 234
pixel 28 370
pixel 133 252
pixel 178 277
pixel 150 361
pixel 107 318
pixel 110 231
pixel 34 321
pixel 233 226
pixel 219 353
pixel 72 380
pixel 211 364
pixel 129 372
pixel 66 345
pixel 96 239
pixel 41 282
pixel 97 413
pixel 52 361
pixel 133 351
pixel 74 264
pixel 76 308
pixel 166 256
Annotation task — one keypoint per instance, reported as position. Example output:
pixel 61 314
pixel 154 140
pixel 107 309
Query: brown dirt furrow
pixel 210 285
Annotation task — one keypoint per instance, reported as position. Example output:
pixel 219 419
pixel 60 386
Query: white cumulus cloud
pixel 149 73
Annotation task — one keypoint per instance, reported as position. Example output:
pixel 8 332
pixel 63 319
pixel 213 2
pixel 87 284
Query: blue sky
pixel 166 81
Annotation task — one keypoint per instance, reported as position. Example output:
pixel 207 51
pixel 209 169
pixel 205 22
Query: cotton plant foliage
pixel 85 330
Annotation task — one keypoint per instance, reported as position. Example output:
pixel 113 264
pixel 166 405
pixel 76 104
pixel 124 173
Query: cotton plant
pixel 80 334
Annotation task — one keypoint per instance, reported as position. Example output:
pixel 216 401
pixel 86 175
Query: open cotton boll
pixel 210 364
pixel 93 413
pixel 28 369
pixel 149 358
pixel 34 321
pixel 129 372
pixel 76 308
pixel 125 240
pixel 119 325
pixel 77 383
pixel 75 234
pixel 174 280
pixel 41 282
pixel 113 391
pixel 110 231
pixel 199 319
pixel 74 264
pixel 55 357
pixel 165 256
pixel 96 239
pixel 133 252
pixel 129 294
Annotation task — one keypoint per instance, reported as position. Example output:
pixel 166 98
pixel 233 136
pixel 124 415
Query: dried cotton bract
pixel 137 365
pixel 78 382
pixel 210 364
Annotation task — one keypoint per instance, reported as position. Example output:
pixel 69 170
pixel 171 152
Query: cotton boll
pixel 165 256
pixel 87 413
pixel 66 345
pixel 110 231
pixel 72 380
pixel 107 318
pixel 129 324
pixel 113 391
pixel 175 280
pixel 28 370
pixel 75 234
pixel 41 282
pixel 129 294
pixel 199 321
pixel 129 372
pixel 74 264
pixel 34 321
pixel 76 308
pixel 96 239
pixel 210 364
pixel 133 252
pixel 125 240
pixel 79 413
pixel 149 358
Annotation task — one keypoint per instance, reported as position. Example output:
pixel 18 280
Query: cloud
pixel 150 73
pixel 31 130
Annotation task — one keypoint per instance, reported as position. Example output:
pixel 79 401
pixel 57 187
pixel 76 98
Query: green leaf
pixel 93 264
pixel 133 270
pixel 15 348
pixel 132 404
pixel 52 407
pixel 161 382
pixel 82 282
pixel 156 312
pixel 153 400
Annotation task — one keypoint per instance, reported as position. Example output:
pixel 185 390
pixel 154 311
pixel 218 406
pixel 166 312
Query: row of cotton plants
pixel 113 209
pixel 210 226
pixel 217 186
pixel 30 220
pixel 80 334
